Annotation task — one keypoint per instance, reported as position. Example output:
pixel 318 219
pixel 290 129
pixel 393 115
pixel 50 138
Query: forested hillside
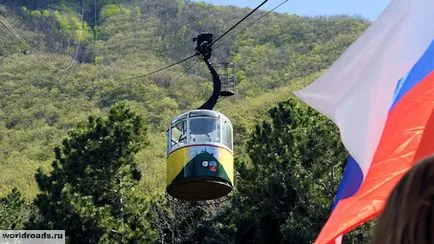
pixel 63 61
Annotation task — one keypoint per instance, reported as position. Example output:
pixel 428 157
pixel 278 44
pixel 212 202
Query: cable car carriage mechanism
pixel 200 142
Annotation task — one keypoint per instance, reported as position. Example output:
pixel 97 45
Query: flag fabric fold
pixel 380 93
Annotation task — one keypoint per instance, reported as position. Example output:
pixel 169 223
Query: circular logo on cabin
pixel 212 166
pixel 205 164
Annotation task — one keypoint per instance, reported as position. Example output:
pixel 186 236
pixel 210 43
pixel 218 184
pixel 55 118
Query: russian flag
pixel 380 93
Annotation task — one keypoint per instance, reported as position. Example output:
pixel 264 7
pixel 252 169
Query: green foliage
pixel 297 162
pixel 57 92
pixel 14 211
pixel 111 10
pixel 69 25
pixel 91 190
pixel 9 45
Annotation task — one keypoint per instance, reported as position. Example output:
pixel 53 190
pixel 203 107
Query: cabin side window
pixel 178 134
pixel 227 134
pixel 167 142
pixel 203 130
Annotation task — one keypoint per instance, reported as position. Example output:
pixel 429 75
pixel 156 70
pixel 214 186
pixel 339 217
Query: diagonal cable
pixel 216 40
pixel 239 22
pixel 159 70
pixel 254 22
pixel 18 37
pixel 185 72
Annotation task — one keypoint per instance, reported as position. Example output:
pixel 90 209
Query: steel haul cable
pixel 18 37
pixel 216 40
pixel 253 22
pixel 32 50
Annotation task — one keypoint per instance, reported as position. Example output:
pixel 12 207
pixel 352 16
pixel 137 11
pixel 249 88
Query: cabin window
pixel 178 134
pixel 204 130
pixel 227 134
pixel 167 142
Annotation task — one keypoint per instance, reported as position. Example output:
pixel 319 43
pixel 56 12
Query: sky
pixel 369 9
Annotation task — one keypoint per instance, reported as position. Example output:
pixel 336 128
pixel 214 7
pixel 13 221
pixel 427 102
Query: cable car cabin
pixel 200 164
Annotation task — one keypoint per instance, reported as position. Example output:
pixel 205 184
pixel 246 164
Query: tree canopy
pixel 91 191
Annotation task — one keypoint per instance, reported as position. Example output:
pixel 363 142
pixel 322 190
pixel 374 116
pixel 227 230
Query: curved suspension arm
pixel 217 86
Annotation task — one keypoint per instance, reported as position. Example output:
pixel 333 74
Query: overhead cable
pixel 189 57
pixel 18 37
pixel 253 22
pixel 161 69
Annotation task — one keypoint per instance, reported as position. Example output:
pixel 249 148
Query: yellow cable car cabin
pixel 200 159
pixel 200 156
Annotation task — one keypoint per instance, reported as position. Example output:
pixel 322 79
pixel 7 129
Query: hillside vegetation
pixel 42 97
pixel 79 58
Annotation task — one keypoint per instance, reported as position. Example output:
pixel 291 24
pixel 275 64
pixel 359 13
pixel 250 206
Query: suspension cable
pixel 18 37
pixel 28 46
pixel 189 57
pixel 252 23
pixel 239 22
pixel 185 72
pixel 161 69
pixel 78 44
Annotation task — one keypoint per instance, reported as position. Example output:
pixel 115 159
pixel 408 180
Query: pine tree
pixel 14 211
pixel 90 191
